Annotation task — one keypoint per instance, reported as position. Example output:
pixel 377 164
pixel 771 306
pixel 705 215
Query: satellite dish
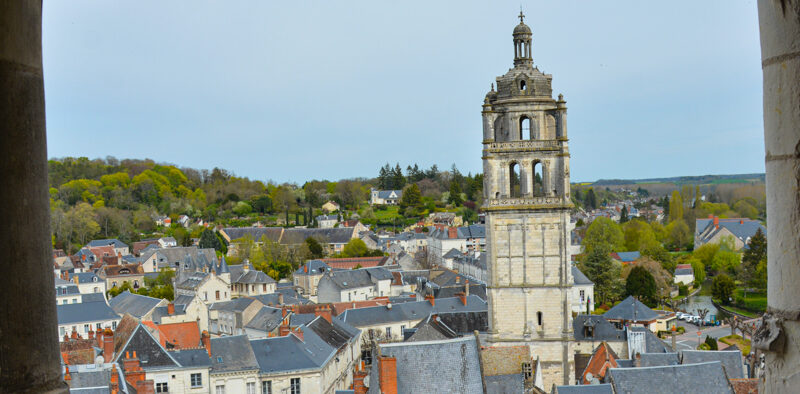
pixel 589 376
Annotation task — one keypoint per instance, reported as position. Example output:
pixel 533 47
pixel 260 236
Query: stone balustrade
pixel 523 146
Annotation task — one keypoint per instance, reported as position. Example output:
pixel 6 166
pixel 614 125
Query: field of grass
pixel 389 213
pixel 742 343
pixel 753 301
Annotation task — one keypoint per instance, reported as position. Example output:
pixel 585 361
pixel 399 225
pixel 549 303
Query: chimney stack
pixel 463 298
pixel 171 308
pixel 452 232
pixel 388 375
pixel 205 338
pixel 716 221
pixel 91 334
pixel 99 337
pixel 280 298
pixel 298 334
pixel 67 377
pixel 324 311
pixel 741 221
pixel 114 379
pixel 108 345
pixel 358 382
pixel 431 299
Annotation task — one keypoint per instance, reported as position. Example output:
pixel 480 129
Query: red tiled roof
pixel 602 359
pixel 340 307
pixel 180 335
pixel 101 251
pixel 679 266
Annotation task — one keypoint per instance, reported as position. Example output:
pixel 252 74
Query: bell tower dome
pixel 527 204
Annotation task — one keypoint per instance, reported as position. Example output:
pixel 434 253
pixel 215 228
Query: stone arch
pixel 538 176
pixel 515 179
pixel 526 127
pixel 550 126
pixel 499 129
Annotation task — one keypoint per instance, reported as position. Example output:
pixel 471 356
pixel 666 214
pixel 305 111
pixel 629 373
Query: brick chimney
pixel 741 221
pixel 388 375
pixel 171 308
pixel 305 268
pixel 358 382
pixel 452 232
pixel 431 299
pixel 145 387
pixel 324 311
pixel 108 345
pixel 68 378
pixel 91 334
pixel 99 337
pixel 716 221
pixel 114 383
pixel 463 298
pixel 298 334
pixel 205 338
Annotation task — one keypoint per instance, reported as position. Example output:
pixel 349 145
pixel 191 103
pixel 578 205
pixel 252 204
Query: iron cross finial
pixel 521 15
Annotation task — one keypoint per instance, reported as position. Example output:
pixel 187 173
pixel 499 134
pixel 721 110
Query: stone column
pixel 29 353
pixel 779 22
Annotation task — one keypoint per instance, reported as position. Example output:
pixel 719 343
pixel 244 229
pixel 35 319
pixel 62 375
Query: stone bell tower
pixel 527 203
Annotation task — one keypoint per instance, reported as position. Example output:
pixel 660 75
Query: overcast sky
pixel 300 90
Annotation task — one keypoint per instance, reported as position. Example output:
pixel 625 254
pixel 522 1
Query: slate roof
pixel 86 277
pixel 352 279
pixel 85 381
pixel 707 377
pixel 657 359
pixel 232 353
pixel 602 328
pixel 134 304
pixel 431 328
pixel 652 343
pixel 183 300
pixel 267 319
pixel 315 267
pixel 731 360
pixel 631 309
pixel 464 232
pixel 191 357
pixel 192 281
pixel 336 334
pixel 501 384
pixel 93 297
pixel 290 297
pixel 452 253
pixel 272 233
pixel 105 242
pixel 384 194
pixel 465 322
pixel 85 312
pixel 234 305
pixel 252 276
pixel 161 311
pixel 151 354
pixel 741 228
pixel 406 311
pixel 628 256
pixel 341 235
pixel 579 278
pixel 585 389
pixel 190 257
pixel 447 366
pixel 299 319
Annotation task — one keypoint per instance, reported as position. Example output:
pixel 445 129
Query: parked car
pixel 679 315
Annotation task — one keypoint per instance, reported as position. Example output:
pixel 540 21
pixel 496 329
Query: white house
pixel 582 292
pixel 385 197
pixel 354 285
pixel 327 221
pixel 684 273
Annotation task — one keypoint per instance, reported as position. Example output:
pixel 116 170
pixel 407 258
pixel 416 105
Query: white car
pixel 680 315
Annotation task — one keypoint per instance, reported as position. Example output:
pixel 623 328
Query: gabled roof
pixel 232 353
pixel 384 194
pixel 741 228
pixel 150 353
pixel 585 389
pixel 579 278
pixel 134 304
pixel 708 377
pixel 289 353
pixel 191 357
pixel 234 305
pixel 184 335
pixel 445 366
pixel 336 334
pixel 85 312
pixel 352 279
pixel 105 242
pixel 252 276
pixel 732 361
pixel 290 297
pixel 313 267
pixel 353 262
pixel 267 319
pixel 602 359
pixel 684 271
pixel 272 233
pixel 341 235
pixel 601 329
pixel 657 359
pixel 631 309
pixel 416 310
pixel 430 329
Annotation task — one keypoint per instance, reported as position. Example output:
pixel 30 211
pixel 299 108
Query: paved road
pixel 689 340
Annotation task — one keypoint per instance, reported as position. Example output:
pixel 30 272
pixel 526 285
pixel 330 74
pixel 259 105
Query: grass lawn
pixel 752 300
pixel 391 212
pixel 741 343
pixel 738 310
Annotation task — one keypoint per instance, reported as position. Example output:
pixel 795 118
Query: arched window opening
pixel 514 180
pixel 522 86
pixel 538 179
pixel 539 317
pixel 525 127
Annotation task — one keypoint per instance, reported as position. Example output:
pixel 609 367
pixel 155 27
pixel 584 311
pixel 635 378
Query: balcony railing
pixel 524 145
pixel 500 202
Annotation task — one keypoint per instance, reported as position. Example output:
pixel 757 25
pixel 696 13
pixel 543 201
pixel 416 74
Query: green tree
pixel 638 235
pixel 115 291
pixel 754 255
pixel 722 288
pixel 590 202
pixel 455 193
pixel 355 248
pixel 411 197
pixel 675 206
pixel 604 272
pixel 182 236
pixel 725 261
pixel 603 232
pixel 209 240
pixel 711 342
pixel 623 215
pixel 699 270
pixel 641 284
pixel 81 218
pixel 678 234
pixel 314 247
pixel 706 253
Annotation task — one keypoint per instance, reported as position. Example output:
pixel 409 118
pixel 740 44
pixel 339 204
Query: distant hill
pixel 682 180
